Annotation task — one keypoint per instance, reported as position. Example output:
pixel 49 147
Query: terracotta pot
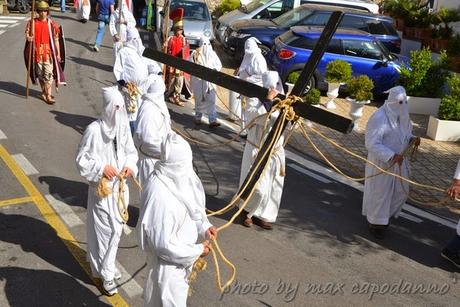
pixel 439 44
pixel 455 62
pixel 409 32
pixel 422 33
pixel 400 25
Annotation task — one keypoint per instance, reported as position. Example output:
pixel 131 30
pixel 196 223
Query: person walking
pixel 103 10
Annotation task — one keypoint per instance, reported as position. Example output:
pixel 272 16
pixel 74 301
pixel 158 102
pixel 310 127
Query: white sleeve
pixel 150 133
pixel 118 67
pixel 374 140
pixel 88 163
pixel 130 153
pixel 202 226
pixel 166 245
pixel 112 24
pixel 457 172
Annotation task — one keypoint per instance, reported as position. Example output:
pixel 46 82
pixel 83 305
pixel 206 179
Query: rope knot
pixel 287 104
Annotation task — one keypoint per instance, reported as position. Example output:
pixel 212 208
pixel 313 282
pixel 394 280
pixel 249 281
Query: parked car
pixel 367 55
pixel 269 9
pixel 309 15
pixel 197 19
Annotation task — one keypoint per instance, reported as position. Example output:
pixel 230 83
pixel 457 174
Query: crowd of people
pixel 133 138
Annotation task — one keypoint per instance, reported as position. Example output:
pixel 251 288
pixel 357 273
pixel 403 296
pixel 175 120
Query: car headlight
pixel 207 33
pixel 239 35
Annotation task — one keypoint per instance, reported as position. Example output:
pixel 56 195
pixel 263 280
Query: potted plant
pixel 359 94
pixel 424 81
pixel 291 80
pixel 313 97
pixel 443 31
pixel 338 72
pixel 446 127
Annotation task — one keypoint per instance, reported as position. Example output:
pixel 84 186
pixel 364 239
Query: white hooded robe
pixel 171 221
pixel 388 132
pixel 96 150
pixel 204 91
pixel 152 127
pixel 265 201
pixel 114 24
pixel 130 66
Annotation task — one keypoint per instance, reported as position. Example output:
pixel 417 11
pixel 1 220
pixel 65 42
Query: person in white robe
pixel 204 91
pixel 251 69
pixel 83 10
pixel 171 225
pixel 388 134
pixel 452 251
pixel 106 150
pixel 152 127
pixel 262 208
pixel 130 67
pixel 120 20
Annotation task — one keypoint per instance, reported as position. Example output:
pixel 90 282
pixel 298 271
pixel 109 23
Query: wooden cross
pixel 247 89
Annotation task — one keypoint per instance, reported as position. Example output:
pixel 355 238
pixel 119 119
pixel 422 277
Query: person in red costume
pixel 178 83
pixel 45 38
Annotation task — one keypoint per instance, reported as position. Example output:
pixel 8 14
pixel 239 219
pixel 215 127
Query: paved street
pixel 319 254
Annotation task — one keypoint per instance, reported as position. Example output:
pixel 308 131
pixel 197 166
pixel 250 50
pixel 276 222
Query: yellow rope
pixel 410 150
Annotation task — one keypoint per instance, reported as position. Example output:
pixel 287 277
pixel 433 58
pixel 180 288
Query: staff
pixel 31 33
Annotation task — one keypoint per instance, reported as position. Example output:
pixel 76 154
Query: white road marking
pixel 3 26
pixel 12 17
pixel 2 135
pixel 71 219
pixel 64 211
pixel 14 25
pixel 2 31
pixel 25 165
pixel 410 217
pixel 8 21
pixel 308 173
pixel 333 175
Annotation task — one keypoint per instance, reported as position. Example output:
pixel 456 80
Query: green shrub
pixel 227 6
pixel 360 88
pixel 313 96
pixel 425 77
pixel 450 104
pixel 292 77
pixel 338 71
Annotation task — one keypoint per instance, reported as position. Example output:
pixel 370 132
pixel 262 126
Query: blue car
pixel 308 15
pixel 367 56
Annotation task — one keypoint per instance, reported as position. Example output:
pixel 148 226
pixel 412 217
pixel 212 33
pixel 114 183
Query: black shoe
pixel 451 256
pixel 378 231
pixel 214 125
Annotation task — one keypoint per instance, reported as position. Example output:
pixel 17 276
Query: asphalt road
pixel 319 254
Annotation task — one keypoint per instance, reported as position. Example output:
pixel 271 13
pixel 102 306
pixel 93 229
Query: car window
pixel 292 17
pixel 270 12
pixel 316 19
pixel 192 10
pixel 335 45
pixel 354 22
pixel 364 49
pixel 252 6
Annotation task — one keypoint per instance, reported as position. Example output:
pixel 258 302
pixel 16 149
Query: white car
pixel 197 19
pixel 269 9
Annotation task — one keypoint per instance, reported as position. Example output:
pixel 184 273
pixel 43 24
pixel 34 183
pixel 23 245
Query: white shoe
pixel 95 48
pixel 117 274
pixel 110 287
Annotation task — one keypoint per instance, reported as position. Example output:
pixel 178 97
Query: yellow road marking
pixel 54 221
pixel 16 201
